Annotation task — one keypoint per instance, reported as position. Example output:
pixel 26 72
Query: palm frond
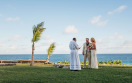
pixel 41 29
pixel 34 29
pixel 37 31
pixel 36 36
pixel 51 48
pixel 40 25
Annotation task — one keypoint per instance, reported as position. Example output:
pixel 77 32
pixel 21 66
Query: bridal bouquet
pixel 89 47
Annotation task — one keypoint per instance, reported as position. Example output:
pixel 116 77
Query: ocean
pixel 126 58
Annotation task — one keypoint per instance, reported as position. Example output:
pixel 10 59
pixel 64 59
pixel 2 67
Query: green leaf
pixel 37 31
pixel 51 49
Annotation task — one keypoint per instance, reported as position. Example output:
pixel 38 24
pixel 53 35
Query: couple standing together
pixel 89 50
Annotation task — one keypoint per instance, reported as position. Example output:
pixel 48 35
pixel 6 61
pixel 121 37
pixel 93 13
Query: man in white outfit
pixel 86 53
pixel 74 57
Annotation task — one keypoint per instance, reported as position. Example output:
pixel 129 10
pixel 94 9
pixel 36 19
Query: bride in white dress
pixel 94 62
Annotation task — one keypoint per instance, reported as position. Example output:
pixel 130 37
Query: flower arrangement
pixel 89 47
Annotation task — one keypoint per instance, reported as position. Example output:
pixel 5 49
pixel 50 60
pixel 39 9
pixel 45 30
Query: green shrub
pixel 87 62
pixel 111 62
pixel 59 62
pixel 63 62
pixel 81 62
pixel 107 62
pixel 101 62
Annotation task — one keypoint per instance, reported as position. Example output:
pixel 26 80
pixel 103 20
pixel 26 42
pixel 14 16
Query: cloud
pixel 102 41
pixel 124 47
pixel 46 37
pixel 82 40
pixel 102 23
pixel 11 47
pixel 46 43
pixel 119 37
pixel 13 19
pixel 116 37
pixel 116 33
pixel 99 40
pixel 57 44
pixel 14 38
pixel 0 45
pixel 23 45
pixel 129 43
pixel 96 21
pixel 70 29
pixel 112 37
pixel 120 9
pixel 125 44
pixel 50 41
pixel 110 13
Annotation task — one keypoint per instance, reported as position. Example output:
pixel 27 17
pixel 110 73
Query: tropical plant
pixel 120 62
pixel 101 62
pixel 111 62
pixel 59 62
pixel 81 62
pixel 37 31
pixel 50 51
pixel 63 62
pixel 87 62
pixel 107 62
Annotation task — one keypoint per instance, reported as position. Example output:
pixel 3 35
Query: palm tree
pixel 50 51
pixel 37 31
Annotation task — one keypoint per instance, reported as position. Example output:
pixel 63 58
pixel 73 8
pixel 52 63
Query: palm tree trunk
pixel 32 62
pixel 47 59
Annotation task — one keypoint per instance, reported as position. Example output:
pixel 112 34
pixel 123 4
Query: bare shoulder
pixel 93 43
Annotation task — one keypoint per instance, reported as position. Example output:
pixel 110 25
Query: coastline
pixel 20 61
pixel 125 58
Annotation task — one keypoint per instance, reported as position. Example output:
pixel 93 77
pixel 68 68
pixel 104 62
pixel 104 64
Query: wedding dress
pixel 94 62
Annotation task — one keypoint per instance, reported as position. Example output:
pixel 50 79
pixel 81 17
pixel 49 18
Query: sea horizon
pixel 97 53
pixel 124 57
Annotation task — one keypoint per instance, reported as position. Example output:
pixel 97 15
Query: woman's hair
pixel 93 40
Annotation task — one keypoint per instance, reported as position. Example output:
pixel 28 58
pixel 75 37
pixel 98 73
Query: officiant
pixel 74 56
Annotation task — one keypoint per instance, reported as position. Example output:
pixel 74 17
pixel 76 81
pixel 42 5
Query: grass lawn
pixel 40 73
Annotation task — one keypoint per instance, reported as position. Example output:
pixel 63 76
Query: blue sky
pixel 109 22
